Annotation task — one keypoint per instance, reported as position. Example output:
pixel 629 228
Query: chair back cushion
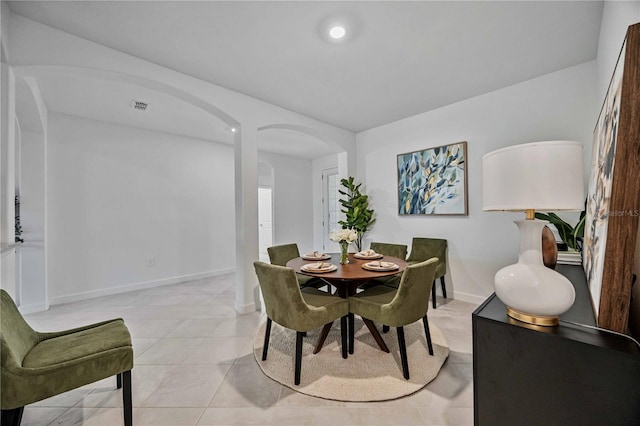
pixel 425 248
pixel 282 297
pixel 280 255
pixel 17 337
pixel 394 250
pixel 411 301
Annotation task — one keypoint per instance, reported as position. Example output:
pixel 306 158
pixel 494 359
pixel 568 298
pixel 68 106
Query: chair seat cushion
pixel 379 295
pixel 369 304
pixel 307 281
pixel 75 346
pixel 324 309
pixel 68 361
pixel 392 282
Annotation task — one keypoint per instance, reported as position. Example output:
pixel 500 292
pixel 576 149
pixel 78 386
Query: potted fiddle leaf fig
pixel 358 215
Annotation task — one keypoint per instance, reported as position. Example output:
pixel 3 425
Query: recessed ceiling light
pixel 337 32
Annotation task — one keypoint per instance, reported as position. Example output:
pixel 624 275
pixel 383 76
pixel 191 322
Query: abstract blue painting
pixel 433 181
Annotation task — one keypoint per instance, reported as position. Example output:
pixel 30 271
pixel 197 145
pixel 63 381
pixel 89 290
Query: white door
pixel 265 222
pixel 330 207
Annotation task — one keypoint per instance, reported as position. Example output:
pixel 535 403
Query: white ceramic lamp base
pixel 532 292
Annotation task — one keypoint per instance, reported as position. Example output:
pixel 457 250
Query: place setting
pixel 380 266
pixel 316 255
pixel 319 267
pixel 368 254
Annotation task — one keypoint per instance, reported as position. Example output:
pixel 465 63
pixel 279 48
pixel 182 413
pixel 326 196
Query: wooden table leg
pixel 376 335
pixel 323 337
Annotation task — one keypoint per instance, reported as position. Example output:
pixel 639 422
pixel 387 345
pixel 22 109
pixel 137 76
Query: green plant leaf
pixel 355 205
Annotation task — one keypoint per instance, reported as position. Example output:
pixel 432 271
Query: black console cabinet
pixel 571 374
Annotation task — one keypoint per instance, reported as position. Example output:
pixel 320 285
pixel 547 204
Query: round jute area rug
pixel 366 375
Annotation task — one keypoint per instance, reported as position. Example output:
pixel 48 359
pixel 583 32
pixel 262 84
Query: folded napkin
pixel 381 264
pixel 315 254
pixel 319 265
pixel 367 253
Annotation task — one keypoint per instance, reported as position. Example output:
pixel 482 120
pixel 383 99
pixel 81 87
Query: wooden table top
pixel 353 271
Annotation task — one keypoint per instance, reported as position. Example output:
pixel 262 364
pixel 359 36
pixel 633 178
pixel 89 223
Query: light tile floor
pixel 194 365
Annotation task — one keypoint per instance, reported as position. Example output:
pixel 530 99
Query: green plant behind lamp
pixel 358 215
pixel 572 235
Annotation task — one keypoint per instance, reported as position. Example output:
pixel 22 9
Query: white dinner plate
pixel 380 266
pixel 364 256
pixel 321 256
pixel 313 267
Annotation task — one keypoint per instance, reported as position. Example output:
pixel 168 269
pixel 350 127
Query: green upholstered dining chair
pixel 297 309
pixel 280 255
pixel 399 307
pixel 387 249
pixel 426 248
pixel 38 365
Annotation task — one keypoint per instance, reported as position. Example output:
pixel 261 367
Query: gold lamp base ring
pixel 543 320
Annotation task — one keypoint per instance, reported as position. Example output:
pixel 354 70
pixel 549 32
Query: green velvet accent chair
pixel 297 309
pixel 388 249
pixel 399 307
pixel 426 248
pixel 37 365
pixel 280 255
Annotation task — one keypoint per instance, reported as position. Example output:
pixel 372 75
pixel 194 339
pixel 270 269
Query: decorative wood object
pixel 613 202
pixel 549 248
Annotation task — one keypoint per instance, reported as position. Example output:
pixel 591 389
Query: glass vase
pixel 344 252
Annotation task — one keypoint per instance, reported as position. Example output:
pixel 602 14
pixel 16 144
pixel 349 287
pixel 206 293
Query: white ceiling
pixel 399 58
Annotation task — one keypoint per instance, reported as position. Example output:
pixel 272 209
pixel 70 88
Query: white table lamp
pixel 544 176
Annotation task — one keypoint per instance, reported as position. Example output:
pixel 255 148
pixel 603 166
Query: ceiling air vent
pixel 139 105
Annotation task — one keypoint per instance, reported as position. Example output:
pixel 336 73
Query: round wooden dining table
pixel 346 279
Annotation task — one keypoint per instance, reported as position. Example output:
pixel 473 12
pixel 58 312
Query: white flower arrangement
pixel 339 235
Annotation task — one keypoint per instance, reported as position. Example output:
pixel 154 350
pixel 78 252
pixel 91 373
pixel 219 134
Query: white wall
pixel 40 49
pixel 616 17
pixel 560 105
pixel 292 200
pixel 120 198
pixel 4 30
pixel 33 288
pixel 7 179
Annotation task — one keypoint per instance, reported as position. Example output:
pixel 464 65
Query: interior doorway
pixel 265 222
pixel 330 207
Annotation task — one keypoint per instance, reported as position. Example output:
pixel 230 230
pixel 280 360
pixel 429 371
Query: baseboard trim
pixel 467 297
pixel 245 309
pixel 76 297
pixel 33 308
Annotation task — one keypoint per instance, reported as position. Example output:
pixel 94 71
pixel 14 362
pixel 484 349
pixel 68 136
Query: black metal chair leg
pixel 127 402
pixel 444 288
pixel 298 365
pixel 403 352
pixel 118 380
pixel 427 333
pixel 385 328
pixel 433 294
pixel 11 417
pixel 267 333
pixel 351 333
pixel 343 333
